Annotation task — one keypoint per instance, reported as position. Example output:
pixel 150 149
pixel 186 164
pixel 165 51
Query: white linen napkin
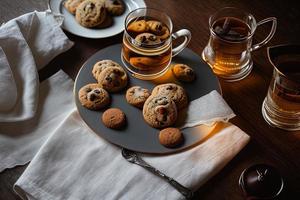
pixel 20 141
pixel 75 163
pixel 207 110
pixel 7 80
pixel 27 43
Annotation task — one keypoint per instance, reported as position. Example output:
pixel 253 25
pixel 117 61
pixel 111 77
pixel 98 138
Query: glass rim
pixel 273 64
pixel 153 9
pixel 211 23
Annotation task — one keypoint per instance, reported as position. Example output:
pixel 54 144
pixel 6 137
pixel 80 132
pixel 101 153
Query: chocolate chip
pixel 97 91
pixel 92 97
pixel 108 78
pixel 116 2
pixel 88 89
pixel 152 37
pixel 170 87
pixel 165 117
pixel 117 83
pixel 158 27
pixel 189 72
pixel 161 110
pixel 161 123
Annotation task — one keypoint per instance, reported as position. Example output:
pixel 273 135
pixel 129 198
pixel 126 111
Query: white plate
pixel 72 26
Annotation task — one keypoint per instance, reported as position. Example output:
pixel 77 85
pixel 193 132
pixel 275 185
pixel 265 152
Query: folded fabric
pixel 27 43
pixel 208 109
pixel 43 34
pixel 75 163
pixel 7 80
pixel 24 75
pixel 20 141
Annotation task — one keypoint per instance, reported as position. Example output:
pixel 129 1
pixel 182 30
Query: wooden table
pixel 268 145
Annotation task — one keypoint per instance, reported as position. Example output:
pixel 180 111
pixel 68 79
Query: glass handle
pixel 187 37
pixel 271 34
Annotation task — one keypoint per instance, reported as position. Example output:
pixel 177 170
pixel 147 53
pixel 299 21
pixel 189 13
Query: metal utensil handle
pixel 187 193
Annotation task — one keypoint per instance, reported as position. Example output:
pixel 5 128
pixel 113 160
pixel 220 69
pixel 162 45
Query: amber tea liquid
pixel 147 59
pixel 282 104
pixel 228 48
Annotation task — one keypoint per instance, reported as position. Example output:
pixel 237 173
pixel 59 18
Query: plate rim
pixel 140 3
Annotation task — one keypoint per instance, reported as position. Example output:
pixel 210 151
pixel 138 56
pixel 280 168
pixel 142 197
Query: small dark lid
pixel 261 181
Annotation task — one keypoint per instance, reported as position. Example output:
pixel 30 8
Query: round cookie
pixel 147 39
pixel 137 96
pixel 183 72
pixel 115 7
pixel 155 27
pixel 101 65
pixel 170 137
pixel 113 79
pixel 114 118
pixel 173 91
pixel 165 33
pixel 93 97
pixel 90 13
pixel 139 26
pixel 159 111
pixel 71 5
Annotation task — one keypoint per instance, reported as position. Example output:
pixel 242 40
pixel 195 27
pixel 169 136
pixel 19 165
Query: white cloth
pixel 30 112
pixel 206 110
pixel 75 163
pixel 27 43
pixel 7 80
pixel 20 141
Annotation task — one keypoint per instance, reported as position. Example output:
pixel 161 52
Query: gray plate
pixel 138 135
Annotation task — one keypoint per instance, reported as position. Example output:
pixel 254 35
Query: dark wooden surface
pixel 268 145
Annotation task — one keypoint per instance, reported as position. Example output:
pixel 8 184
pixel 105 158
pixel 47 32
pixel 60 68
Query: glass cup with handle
pixel 147 48
pixel 281 107
pixel 229 48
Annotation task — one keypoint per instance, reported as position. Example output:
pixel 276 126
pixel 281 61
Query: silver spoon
pixel 133 157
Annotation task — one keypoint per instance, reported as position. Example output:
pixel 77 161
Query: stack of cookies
pixel 160 111
pixel 92 13
pixel 111 78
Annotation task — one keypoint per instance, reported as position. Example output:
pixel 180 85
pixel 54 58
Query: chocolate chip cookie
pixel 101 65
pixel 183 72
pixel 159 111
pixel 113 79
pixel 115 7
pixel 139 26
pixel 90 13
pixel 71 5
pixel 137 96
pixel 93 97
pixel 155 27
pixel 174 92
pixel 170 137
pixel 114 118
pixel 146 39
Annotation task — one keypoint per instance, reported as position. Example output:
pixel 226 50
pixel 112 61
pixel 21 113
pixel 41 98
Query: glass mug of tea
pixel 281 107
pixel 147 43
pixel 229 48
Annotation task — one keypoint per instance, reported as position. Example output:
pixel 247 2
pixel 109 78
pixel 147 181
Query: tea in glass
pixel 228 51
pixel 147 43
pixel 231 53
pixel 281 107
pixel 152 51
